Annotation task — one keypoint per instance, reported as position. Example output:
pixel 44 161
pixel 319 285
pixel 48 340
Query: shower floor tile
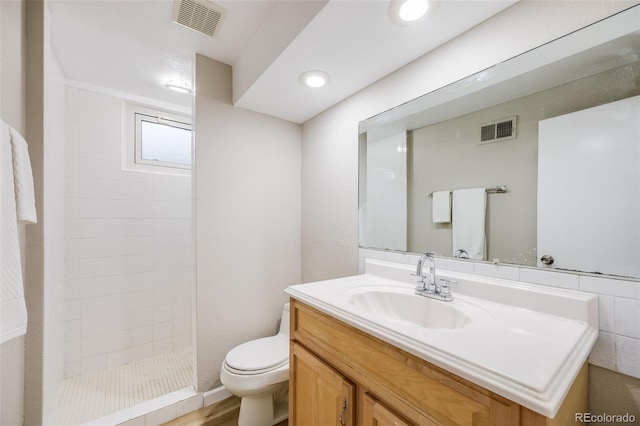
pixel 97 394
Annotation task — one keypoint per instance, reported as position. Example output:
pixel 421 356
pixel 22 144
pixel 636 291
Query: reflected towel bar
pixel 500 189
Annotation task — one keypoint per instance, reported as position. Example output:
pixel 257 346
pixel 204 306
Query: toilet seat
pixel 258 356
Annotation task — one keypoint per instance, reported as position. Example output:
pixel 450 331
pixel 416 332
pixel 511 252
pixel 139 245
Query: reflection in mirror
pixel 488 130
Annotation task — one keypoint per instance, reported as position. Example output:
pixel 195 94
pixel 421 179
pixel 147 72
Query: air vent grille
pixel 499 130
pixel 202 16
pixel 504 129
pixel 488 133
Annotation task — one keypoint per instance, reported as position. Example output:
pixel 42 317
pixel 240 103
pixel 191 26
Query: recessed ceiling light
pixel 314 78
pixel 412 10
pixel 406 12
pixel 177 85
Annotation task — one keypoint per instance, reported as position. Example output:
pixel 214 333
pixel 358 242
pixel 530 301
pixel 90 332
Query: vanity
pixel 366 350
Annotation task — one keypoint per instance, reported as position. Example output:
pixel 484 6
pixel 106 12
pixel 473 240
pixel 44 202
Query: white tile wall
pixel 628 356
pixel 128 246
pixel 618 344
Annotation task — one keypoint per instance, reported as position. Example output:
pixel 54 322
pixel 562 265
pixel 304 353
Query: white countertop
pixel 525 342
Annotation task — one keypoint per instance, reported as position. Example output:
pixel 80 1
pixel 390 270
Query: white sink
pixel 404 306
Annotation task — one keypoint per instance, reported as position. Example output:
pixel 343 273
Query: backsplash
pixel 618 344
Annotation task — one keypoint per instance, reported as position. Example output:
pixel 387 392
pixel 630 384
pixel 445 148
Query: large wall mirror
pixel 552 135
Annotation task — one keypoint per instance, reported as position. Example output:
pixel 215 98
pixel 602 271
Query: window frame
pixel 131 142
pixel 139 118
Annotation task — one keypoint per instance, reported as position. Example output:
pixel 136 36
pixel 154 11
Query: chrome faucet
pixel 422 284
pixel 430 288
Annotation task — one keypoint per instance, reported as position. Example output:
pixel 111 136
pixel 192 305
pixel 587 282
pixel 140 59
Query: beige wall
pixel 34 261
pixel 613 393
pixel 247 218
pixel 12 111
pixel 330 153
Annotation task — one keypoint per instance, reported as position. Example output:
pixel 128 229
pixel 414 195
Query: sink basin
pixel 403 306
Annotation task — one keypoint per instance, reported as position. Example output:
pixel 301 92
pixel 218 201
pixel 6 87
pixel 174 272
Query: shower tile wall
pixel 128 253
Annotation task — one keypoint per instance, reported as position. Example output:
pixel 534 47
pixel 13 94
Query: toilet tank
pixel 284 321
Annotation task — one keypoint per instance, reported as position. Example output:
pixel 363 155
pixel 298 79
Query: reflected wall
pixel 449 155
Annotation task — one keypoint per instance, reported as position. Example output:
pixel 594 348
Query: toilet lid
pixel 258 356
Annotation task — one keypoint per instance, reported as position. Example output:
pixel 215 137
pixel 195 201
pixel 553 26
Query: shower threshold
pixel 124 391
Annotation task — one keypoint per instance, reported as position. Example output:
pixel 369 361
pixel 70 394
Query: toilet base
pixel 260 410
pixel 282 412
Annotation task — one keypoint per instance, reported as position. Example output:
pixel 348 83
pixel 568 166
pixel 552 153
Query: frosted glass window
pixel 162 142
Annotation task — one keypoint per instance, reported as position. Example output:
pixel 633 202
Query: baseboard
pixel 216 395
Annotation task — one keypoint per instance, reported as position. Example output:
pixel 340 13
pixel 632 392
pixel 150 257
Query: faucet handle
pixel 444 286
pixel 421 283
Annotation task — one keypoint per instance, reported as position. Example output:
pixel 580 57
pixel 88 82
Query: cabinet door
pixel 376 414
pixel 318 395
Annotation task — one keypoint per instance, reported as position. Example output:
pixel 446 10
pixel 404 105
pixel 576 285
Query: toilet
pixel 258 372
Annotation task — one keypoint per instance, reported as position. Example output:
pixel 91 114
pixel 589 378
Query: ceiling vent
pixel 201 15
pixel 499 130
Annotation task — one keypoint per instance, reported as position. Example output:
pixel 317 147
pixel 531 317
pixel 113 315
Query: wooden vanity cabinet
pixel 321 396
pixel 332 363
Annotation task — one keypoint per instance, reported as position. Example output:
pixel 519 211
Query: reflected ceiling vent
pixel 201 15
pixel 499 130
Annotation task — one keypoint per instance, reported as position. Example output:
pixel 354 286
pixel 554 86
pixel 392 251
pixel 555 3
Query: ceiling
pixel 132 46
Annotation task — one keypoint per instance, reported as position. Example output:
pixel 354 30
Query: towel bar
pixel 500 189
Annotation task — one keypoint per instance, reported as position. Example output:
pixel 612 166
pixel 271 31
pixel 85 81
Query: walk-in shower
pixel 128 268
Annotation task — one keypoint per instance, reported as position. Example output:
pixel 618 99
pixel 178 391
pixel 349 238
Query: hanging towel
pixel 16 186
pixel 441 207
pixel 468 227
pixel 23 179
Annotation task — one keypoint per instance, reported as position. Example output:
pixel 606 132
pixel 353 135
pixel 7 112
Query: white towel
pixel 468 227
pixel 23 179
pixel 441 207
pixel 13 311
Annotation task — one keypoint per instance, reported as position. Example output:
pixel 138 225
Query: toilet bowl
pixel 258 372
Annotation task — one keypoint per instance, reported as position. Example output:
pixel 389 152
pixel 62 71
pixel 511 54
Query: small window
pixel 162 141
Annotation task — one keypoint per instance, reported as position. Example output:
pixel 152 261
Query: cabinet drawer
pixel 406 383
pixel 377 414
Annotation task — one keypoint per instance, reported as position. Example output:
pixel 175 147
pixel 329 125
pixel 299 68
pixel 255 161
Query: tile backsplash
pixel 128 246
pixel 618 344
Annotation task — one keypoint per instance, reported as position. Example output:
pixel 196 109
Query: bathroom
pixel 270 213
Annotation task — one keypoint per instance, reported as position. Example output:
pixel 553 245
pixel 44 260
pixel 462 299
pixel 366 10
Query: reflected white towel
pixel 468 227
pixel 441 207
pixel 13 311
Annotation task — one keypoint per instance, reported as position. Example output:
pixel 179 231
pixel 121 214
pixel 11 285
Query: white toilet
pixel 258 372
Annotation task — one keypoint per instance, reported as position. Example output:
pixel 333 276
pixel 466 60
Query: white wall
pixel 12 111
pixel 12 59
pixel 53 218
pixel 129 252
pixel 247 186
